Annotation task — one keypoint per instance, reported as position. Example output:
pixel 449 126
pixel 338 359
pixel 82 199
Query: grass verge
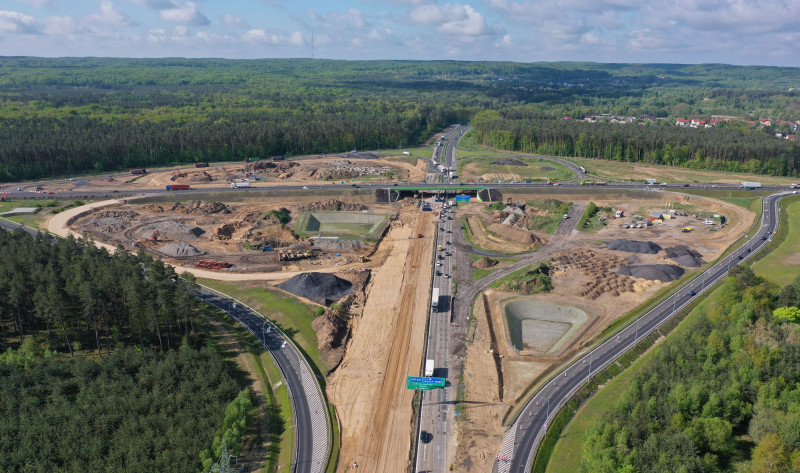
pixel 779 262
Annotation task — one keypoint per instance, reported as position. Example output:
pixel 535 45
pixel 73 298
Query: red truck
pixel 201 165
pixel 139 171
pixel 178 187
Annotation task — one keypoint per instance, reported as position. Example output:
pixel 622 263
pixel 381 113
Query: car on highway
pixel 566 216
pixel 740 256
pixel 438 273
pixel 425 436
pixel 305 187
pixel 51 192
pixel 447 275
pixel 764 237
pixel 686 185
pixel 692 293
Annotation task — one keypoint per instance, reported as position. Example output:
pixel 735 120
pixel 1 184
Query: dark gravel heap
pixel 684 256
pixel 509 162
pixel 322 288
pixel 653 272
pixel 547 168
pixel 634 246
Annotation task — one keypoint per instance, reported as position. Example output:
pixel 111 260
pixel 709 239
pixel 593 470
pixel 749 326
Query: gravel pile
pixel 169 230
pixel 322 288
pixel 634 246
pixel 484 263
pixel 684 256
pixel 509 162
pixel 653 272
pixel 179 248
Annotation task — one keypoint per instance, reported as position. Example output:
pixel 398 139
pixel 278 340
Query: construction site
pixel 376 258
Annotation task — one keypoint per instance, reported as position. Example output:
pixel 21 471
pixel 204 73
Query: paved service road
pixel 521 441
pixel 310 427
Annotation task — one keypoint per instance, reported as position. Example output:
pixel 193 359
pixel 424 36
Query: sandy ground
pixel 368 388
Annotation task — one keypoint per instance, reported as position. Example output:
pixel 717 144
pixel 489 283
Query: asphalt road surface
pixel 519 448
pixel 310 427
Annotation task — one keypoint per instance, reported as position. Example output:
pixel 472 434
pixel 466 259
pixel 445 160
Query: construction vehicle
pixel 419 235
pixel 155 235
pixel 178 173
pixel 237 185
pixel 178 187
pixel 139 171
pixel 290 255
pixel 201 165
pixel 686 229
pixel 363 259
pixel 620 213
pixel 212 264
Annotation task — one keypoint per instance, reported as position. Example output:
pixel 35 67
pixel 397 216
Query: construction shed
pixel 656 215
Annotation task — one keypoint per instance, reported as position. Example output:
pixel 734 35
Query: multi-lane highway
pixel 523 438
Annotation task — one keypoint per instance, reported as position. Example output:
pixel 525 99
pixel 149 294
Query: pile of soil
pixel 332 332
pixel 340 244
pixel 268 165
pixel 179 248
pixel 322 288
pixel 332 205
pixel 509 162
pixel 113 220
pixel 357 155
pixel 653 272
pixel 684 256
pixel 276 236
pixel 547 168
pixel 197 206
pixel 200 177
pixel 169 230
pixel 634 246
pixel 484 263
pixel 517 235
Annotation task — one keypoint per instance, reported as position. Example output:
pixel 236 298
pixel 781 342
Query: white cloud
pixel 109 14
pixel 184 12
pixel 452 19
pixel 256 36
pixel 233 20
pixel 336 19
pixel 38 3
pixel 14 22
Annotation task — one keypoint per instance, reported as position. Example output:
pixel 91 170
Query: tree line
pixel 74 295
pixel 722 394
pixel 721 149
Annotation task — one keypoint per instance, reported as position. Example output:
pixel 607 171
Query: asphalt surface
pixel 310 427
pixel 519 449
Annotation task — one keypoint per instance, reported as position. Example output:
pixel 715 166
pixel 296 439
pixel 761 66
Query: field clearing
pixel 425 152
pixel 623 171
pixel 482 168
pixel 404 159
pixel 467 148
pixel 292 315
pixel 568 451
pixel 782 264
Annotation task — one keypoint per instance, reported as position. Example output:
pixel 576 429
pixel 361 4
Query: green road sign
pixel 424 384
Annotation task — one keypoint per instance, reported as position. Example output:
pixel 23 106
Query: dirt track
pixel 369 389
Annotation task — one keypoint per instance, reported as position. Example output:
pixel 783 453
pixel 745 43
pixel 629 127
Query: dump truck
pixel 201 165
pixel 139 171
pixel 429 364
pixel 178 187
pixel 435 298
pixel 237 185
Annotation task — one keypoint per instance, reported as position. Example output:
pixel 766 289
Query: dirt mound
pixel 269 166
pixel 653 272
pixel 113 220
pixel 322 288
pixel 276 236
pixel 339 244
pixel 597 268
pixel 484 262
pixel 685 256
pixel 179 248
pixel 169 230
pixel 509 162
pixel 332 205
pixel 517 235
pixel 332 332
pixel 200 177
pixel 193 207
pixel 358 155
pixel 634 246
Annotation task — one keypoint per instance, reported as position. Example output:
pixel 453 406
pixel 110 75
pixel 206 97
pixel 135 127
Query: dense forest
pixel 723 395
pixel 74 295
pixel 725 148
pixel 132 411
pixel 67 115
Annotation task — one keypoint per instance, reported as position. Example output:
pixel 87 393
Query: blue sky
pixel 763 32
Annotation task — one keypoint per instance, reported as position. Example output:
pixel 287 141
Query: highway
pixel 310 427
pixel 518 450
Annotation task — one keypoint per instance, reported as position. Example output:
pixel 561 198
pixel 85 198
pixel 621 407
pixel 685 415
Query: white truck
pixel 750 185
pixel 406 153
pixel 650 182
pixel 435 298
pixel 429 368
pixel 236 185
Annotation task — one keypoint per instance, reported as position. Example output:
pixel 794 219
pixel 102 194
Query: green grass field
pixel 624 171
pixel 782 264
pixel 289 313
pixel 567 453
pixel 344 225
pixel 475 167
pixel 478 273
pixel 467 148
pixel 404 159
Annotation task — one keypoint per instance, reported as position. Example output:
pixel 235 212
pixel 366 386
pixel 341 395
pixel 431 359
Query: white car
pixel 305 187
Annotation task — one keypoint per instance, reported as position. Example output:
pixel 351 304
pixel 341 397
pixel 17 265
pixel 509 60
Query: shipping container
pixel 178 187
